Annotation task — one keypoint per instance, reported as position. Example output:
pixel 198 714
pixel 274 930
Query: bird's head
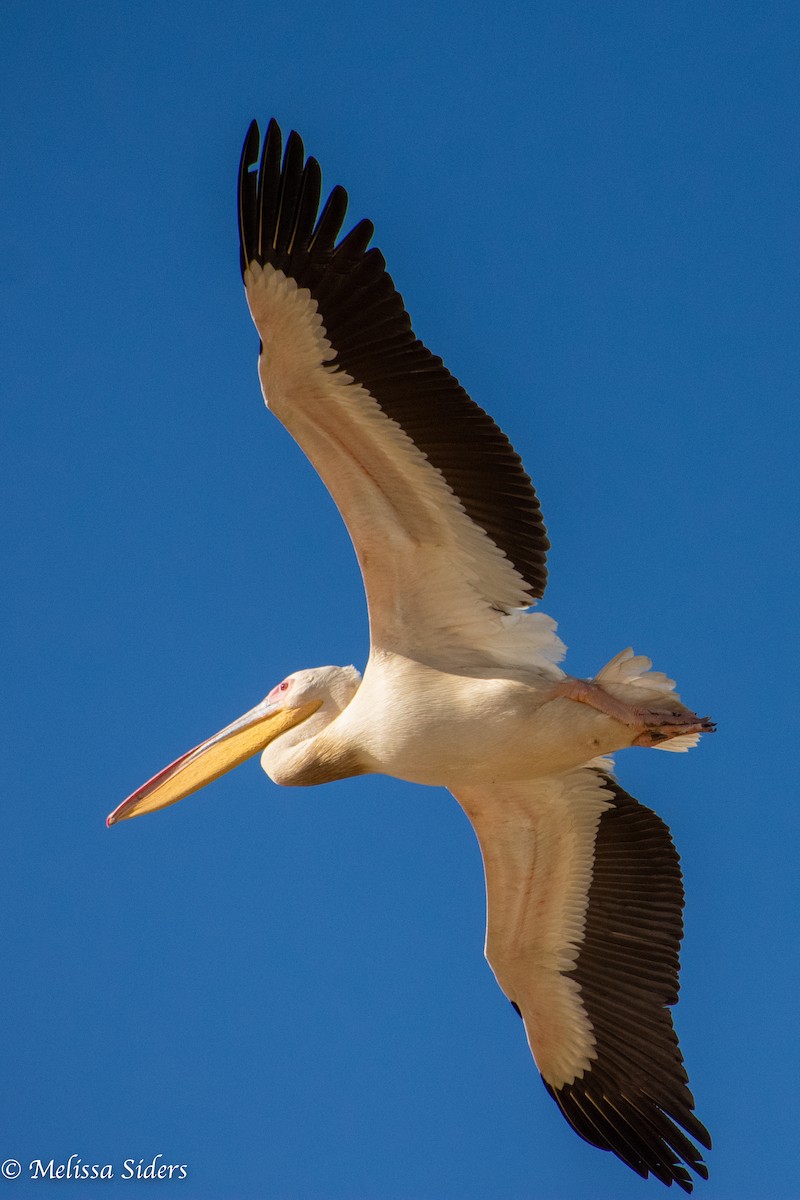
pixel 311 699
pixel 332 687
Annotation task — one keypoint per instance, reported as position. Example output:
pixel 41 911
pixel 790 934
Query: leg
pixel 656 725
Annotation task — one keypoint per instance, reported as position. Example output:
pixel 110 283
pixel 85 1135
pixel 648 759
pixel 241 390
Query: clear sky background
pixel 591 210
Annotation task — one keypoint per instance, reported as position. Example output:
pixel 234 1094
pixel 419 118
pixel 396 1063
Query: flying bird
pixel 463 687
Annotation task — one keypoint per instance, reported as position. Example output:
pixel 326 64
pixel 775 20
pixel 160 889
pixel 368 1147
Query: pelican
pixel 463 687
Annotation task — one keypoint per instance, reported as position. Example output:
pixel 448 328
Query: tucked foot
pixel 655 725
pixel 659 726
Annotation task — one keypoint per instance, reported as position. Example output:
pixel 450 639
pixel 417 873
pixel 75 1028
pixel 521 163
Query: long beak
pixel 212 758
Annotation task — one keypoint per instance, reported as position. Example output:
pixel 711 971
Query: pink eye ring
pixel 279 689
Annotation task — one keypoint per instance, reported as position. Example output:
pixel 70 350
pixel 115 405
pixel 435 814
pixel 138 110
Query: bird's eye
pixel 280 689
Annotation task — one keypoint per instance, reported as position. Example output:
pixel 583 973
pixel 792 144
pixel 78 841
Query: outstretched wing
pixel 445 522
pixel 584 903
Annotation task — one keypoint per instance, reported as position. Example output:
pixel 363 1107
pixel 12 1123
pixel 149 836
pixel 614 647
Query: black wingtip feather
pixel 306 208
pixel 248 193
pixel 352 248
pixel 330 222
pixel 291 179
pixel 269 177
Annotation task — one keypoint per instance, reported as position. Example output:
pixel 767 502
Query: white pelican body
pixel 429 726
pixel 463 688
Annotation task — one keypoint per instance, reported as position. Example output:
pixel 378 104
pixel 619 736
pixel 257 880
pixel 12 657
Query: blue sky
pixel 591 212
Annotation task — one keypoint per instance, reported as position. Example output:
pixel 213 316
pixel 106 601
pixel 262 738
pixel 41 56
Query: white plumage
pixel 462 688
